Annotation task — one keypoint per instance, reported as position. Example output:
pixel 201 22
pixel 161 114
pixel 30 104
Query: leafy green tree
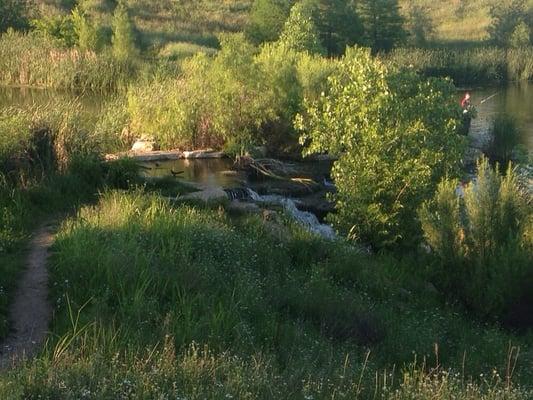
pixel 507 16
pixel 60 27
pixel 384 25
pixel 14 14
pixel 279 68
pixel 299 33
pixel 520 36
pixel 240 101
pixel 337 23
pixel 87 33
pixel 123 39
pixel 394 134
pixel 267 19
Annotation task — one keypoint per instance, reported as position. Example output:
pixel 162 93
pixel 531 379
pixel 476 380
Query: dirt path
pixel 30 311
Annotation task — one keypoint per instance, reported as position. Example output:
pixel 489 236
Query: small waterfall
pixel 307 219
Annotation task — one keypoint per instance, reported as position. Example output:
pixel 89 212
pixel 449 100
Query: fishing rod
pixel 488 98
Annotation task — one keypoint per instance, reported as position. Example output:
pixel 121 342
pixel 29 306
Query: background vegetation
pixel 154 298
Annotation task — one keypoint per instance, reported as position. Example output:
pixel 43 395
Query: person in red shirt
pixel 465 102
pixel 468 113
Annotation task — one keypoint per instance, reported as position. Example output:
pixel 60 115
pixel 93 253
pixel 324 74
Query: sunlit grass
pixel 156 300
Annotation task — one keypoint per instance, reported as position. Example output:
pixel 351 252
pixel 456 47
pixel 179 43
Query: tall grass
pixel 184 301
pixel 48 163
pixel 32 60
pixel 466 66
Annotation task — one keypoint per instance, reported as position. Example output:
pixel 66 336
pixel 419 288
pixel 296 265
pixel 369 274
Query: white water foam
pixel 307 219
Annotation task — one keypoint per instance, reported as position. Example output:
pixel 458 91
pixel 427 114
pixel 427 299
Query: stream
pixel 305 205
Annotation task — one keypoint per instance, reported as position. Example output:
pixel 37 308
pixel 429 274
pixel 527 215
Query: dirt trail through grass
pixel 30 311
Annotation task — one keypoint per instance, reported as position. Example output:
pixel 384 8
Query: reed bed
pixel 32 60
pixel 467 66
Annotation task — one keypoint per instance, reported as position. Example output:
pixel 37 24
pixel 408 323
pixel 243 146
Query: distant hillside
pixel 167 21
pixel 198 21
pixel 455 20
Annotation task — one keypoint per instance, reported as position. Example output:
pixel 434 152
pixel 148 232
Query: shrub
pixel 60 28
pixel 88 35
pixel 510 23
pixel 520 36
pixel 278 64
pixel 395 136
pixel 313 74
pixel 124 48
pixel 484 252
pixel 179 51
pixel 267 18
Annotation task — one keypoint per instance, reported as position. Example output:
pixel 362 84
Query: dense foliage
pixel 124 47
pixel 384 25
pixel 395 136
pixel 484 241
pixel 505 134
pixel 14 14
pixel 512 23
pixel 266 20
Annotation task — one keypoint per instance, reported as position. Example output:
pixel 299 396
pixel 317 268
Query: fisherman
pixel 465 103
pixel 468 113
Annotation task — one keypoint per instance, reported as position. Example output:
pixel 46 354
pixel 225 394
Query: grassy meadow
pixel 159 300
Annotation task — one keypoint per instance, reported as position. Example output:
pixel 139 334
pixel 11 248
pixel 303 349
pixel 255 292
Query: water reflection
pixel 208 172
pixel 516 100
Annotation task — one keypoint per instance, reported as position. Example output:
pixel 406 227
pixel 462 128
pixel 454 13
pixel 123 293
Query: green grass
pixel 160 301
pixel 455 22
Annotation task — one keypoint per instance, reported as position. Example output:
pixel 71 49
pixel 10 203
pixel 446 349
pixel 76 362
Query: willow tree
pixel 394 134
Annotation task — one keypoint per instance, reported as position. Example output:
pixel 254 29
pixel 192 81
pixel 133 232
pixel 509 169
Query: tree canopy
pixel 337 22
pixel 512 23
pixel 14 14
pixel 395 137
pixel 300 33
pixel 384 25
pixel 123 39
pixel 267 19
